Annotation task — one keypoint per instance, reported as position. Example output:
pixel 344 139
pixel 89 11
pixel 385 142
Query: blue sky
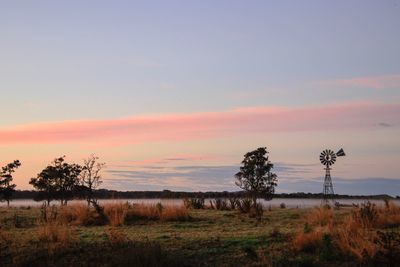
pixel 105 61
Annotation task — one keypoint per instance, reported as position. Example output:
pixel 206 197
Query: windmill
pixel 328 158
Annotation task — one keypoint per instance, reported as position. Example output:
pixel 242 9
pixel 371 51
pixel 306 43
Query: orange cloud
pixel 375 82
pixel 195 126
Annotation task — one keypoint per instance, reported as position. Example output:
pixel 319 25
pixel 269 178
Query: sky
pixel 172 94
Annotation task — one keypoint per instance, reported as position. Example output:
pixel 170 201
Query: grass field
pixel 176 236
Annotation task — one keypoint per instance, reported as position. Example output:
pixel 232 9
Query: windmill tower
pixel 328 158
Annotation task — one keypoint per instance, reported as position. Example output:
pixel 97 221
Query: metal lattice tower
pixel 328 186
pixel 328 158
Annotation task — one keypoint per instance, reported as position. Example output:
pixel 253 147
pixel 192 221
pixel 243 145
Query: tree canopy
pixel 57 181
pixel 7 188
pixel 255 176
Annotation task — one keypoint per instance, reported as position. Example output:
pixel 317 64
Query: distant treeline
pixel 113 194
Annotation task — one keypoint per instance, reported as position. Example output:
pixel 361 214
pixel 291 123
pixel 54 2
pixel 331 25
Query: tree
pixel 7 188
pixel 90 178
pixel 255 176
pixel 57 181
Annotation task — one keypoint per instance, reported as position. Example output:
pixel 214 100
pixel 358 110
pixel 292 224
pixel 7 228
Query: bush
pixel 389 251
pixel 232 203
pixel 219 204
pixel 367 215
pixel 282 205
pixel 244 205
pixel 194 203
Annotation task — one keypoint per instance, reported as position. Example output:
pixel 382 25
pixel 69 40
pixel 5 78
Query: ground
pixel 207 238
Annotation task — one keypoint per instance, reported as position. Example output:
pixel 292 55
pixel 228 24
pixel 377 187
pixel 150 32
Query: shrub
pixel 244 205
pixel 327 250
pixel 367 215
pixel 219 204
pixel 232 203
pixel 194 203
pixel 282 205
pixel 389 248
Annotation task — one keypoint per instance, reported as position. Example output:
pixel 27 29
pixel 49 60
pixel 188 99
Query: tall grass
pixel 116 213
pixel 320 216
pixel 353 236
pixel 354 240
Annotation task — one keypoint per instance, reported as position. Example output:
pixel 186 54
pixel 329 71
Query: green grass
pixel 210 238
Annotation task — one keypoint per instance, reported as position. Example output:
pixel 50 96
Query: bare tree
pixel 90 178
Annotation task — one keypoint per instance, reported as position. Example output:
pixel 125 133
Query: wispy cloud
pixel 291 178
pixel 191 178
pixel 206 125
pixel 375 82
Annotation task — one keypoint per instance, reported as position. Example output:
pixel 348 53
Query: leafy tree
pixel 255 176
pixel 57 181
pixel 7 188
pixel 90 178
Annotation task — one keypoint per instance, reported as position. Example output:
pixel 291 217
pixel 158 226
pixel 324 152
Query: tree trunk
pixel 255 201
pixel 8 203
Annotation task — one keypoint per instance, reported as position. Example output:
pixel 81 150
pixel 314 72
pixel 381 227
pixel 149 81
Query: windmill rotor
pixel 327 157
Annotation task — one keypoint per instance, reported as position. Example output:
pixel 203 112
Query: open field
pixel 153 235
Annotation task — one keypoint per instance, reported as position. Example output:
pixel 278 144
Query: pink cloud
pixel 196 126
pixel 375 82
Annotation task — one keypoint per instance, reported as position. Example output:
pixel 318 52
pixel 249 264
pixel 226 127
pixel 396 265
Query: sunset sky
pixel 172 94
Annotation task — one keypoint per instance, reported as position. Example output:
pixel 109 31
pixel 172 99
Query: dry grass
pixel 354 240
pixel 157 212
pixel 116 213
pixel 175 213
pixel 320 216
pixel 54 236
pixel 307 242
pixel 77 214
pixel 116 237
pixel 388 216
